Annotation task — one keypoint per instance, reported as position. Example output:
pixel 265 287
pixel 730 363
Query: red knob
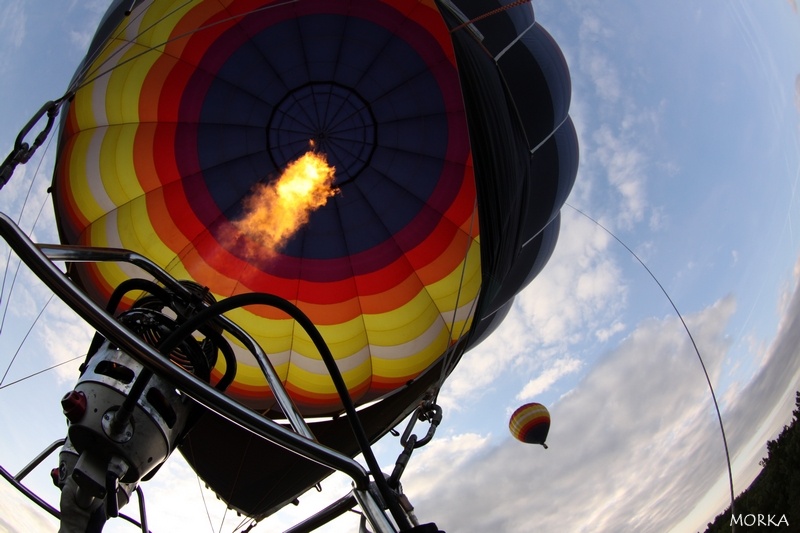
pixel 74 405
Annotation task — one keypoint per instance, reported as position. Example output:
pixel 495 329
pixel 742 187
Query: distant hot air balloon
pixel 446 125
pixel 530 424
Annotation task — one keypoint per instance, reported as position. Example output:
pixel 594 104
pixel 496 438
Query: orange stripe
pixel 144 146
pixel 74 218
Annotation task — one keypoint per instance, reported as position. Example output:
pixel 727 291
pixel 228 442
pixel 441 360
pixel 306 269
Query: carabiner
pixel 22 151
pixel 429 412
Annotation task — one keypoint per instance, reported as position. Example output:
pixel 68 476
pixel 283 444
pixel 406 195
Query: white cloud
pixel 636 445
pixel 546 379
pixel 797 92
pixel 81 39
pixel 624 165
pixel 13 22
pixel 580 288
pixel 785 297
pixel 605 334
pixel 616 126
pixel 577 295
pixel 18 514
pixel 64 337
pixel 480 367
pixel 91 11
pixel 433 465
pixel 618 460
pixel 600 70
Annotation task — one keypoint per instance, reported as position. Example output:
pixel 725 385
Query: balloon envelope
pixel 530 423
pixel 453 151
pixel 184 107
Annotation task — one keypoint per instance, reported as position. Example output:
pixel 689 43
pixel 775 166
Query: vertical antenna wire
pixel 694 344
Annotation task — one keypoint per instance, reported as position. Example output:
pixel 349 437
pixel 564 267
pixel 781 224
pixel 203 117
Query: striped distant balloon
pixel 530 424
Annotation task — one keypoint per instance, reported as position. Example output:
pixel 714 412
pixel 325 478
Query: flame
pixel 274 212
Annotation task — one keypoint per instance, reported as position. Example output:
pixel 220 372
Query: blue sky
pixel 688 115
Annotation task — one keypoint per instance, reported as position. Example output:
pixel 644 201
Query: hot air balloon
pixel 530 423
pixel 444 127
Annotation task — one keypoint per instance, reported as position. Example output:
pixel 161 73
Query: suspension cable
pixel 27 333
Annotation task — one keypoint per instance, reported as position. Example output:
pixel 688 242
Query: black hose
pixel 255 298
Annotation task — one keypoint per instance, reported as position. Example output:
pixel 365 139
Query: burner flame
pixel 273 213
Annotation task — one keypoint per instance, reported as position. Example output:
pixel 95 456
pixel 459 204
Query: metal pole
pixel 39 458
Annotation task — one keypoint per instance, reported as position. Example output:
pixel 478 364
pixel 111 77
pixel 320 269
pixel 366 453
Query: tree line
pixel 772 502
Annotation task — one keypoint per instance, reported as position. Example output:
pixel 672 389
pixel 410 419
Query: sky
pixel 688 117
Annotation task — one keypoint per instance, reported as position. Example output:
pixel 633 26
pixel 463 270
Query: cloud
pixel 645 403
pixel 562 367
pixel 64 337
pixel 482 366
pixel 580 283
pixel 624 165
pixel 605 334
pixel 579 292
pixel 797 92
pixel 433 465
pixel 601 71
pixel 617 126
pixel 18 514
pixel 91 12
pixel 633 447
pixel 13 22
pixel 604 76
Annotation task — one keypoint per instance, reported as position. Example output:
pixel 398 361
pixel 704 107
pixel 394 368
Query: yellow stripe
pixel 518 422
pixel 159 22
pixel 450 292
pixel 343 340
pixel 402 343
pixel 89 99
pixel 82 108
pixel 81 183
pixel 117 168
pixel 125 84
pixel 99 236
pixel 412 364
pixel 251 376
pixel 274 336
pixel 320 383
pixel 136 232
pixel 402 324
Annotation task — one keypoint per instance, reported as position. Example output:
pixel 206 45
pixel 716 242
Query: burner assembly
pixel 125 421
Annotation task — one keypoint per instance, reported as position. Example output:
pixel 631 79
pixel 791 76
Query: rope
pixel 98 73
pixel 490 14
pixel 4 302
pixel 20 380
